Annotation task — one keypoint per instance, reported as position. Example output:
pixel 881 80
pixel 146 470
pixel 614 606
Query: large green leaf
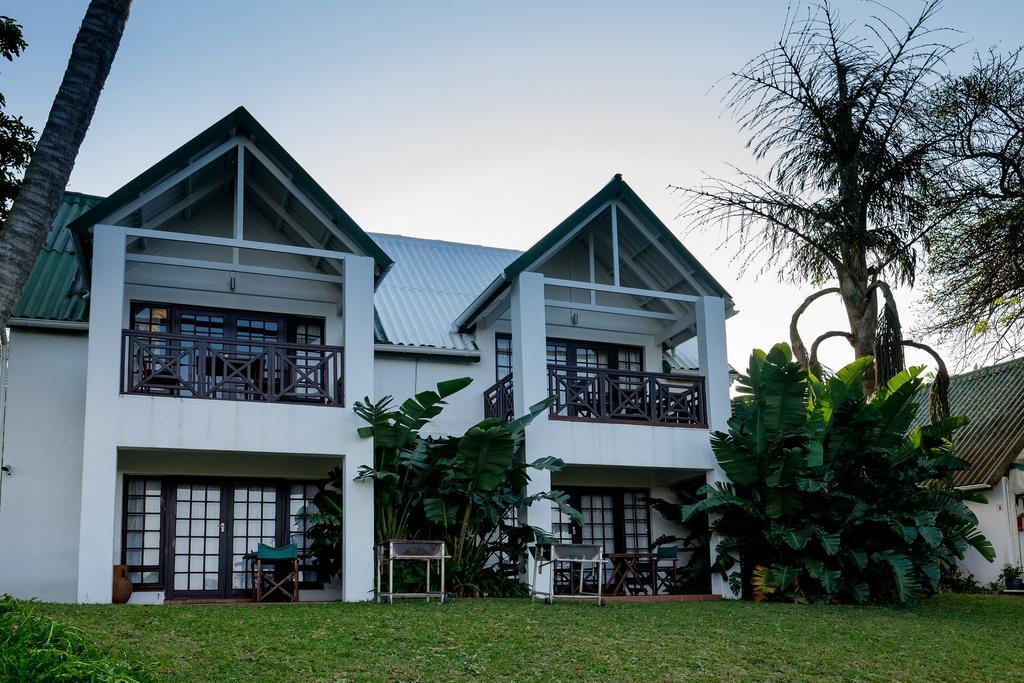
pixel 830 581
pixel 932 535
pixel 931 571
pixel 780 502
pixel 796 538
pixel 439 512
pixel 829 541
pixel 484 456
pixel 903 573
pixel 452 386
pixel 783 575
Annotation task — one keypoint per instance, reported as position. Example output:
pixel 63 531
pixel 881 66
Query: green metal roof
pixel 238 121
pixel 616 189
pixel 54 290
pixel 993 399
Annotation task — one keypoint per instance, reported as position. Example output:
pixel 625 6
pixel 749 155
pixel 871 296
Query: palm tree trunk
pixel 47 174
pixel 860 302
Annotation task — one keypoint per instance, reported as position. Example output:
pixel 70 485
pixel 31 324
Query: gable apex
pixel 238 123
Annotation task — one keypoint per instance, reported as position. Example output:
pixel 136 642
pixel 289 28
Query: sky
pixel 475 122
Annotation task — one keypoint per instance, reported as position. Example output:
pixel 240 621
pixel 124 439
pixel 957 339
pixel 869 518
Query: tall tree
pixel 976 267
pixel 836 114
pixel 17 139
pixel 50 167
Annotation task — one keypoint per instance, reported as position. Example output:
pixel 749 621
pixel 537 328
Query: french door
pixel 617 519
pixel 212 524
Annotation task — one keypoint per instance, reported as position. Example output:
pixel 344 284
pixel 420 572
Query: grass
pixel 948 638
pixel 34 647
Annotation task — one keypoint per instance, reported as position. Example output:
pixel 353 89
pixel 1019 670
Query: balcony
pixel 612 396
pixel 183 366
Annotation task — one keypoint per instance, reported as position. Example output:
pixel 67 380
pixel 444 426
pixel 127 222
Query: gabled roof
pixel 238 121
pixel 54 289
pixel 993 399
pixel 616 189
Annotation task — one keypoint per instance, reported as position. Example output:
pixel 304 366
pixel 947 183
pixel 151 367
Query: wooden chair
pixel 283 574
pixel 666 566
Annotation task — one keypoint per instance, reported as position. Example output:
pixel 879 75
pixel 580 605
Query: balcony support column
pixel 530 377
pixel 714 366
pixel 97 523
pixel 357 530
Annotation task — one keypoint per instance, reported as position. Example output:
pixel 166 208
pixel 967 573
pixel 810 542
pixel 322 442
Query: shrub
pixel 36 648
pixel 830 499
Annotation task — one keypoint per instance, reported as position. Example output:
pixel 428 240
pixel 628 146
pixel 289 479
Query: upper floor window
pixel 502 355
pixel 574 353
pixel 210 323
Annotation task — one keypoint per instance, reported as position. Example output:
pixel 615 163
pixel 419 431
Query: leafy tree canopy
pixel 976 268
pixel 17 140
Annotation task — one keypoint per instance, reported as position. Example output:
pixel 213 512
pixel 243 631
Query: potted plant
pixel 1011 577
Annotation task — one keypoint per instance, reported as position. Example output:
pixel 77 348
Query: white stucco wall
pixel 997 520
pixel 39 502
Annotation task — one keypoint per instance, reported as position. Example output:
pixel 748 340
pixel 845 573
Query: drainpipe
pixel 3 403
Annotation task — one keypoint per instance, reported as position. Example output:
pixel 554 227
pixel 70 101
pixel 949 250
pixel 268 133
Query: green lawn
pixel 951 637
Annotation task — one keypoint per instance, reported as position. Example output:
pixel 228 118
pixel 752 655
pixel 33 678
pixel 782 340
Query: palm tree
pixel 845 201
pixel 47 174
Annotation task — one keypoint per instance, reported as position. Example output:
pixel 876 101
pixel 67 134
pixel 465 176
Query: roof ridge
pixel 83 195
pixel 440 241
pixel 985 370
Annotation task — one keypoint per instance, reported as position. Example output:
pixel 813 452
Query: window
pixel 573 353
pixel 618 519
pixel 254 519
pixel 300 499
pixel 149 318
pixel 141 548
pixel 502 355
pixel 208 323
pixel 636 522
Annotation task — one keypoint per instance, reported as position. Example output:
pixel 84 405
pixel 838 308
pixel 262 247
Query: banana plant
pixel 468 490
pixel 830 498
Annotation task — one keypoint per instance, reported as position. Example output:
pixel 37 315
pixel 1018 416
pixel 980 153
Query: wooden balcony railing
pixel 498 399
pixel 159 364
pixel 607 395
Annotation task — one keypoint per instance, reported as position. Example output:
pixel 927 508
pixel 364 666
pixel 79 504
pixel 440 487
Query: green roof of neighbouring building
pixel 993 399
pixel 54 289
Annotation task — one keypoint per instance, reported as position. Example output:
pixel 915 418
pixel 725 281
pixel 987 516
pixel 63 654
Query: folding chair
pixel 665 568
pixel 283 574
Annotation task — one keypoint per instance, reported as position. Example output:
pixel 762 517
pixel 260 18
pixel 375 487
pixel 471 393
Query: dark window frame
pixel 143 568
pixel 571 345
pixel 618 507
pixel 289 324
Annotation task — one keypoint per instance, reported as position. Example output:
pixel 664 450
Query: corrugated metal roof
pixel 51 292
pixel 431 282
pixel 993 399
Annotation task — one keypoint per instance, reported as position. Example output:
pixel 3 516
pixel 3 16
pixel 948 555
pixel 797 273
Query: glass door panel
pixel 198 529
pixel 254 521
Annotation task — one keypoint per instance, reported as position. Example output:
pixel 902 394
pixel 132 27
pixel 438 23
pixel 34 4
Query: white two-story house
pixel 182 365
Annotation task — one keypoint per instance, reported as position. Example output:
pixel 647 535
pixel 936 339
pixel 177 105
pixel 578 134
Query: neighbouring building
pixel 182 366
pixel 993 443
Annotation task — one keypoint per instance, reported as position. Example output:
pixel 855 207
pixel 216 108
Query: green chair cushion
pixel 668 552
pixel 266 552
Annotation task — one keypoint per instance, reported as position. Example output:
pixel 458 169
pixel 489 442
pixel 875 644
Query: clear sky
pixel 466 121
